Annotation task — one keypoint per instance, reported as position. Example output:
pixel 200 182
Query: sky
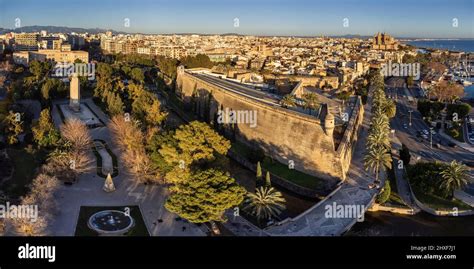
pixel 401 18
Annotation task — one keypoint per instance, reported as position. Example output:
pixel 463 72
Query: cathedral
pixel 383 41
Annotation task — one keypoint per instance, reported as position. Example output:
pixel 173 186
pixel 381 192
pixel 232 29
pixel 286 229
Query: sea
pixel 465 45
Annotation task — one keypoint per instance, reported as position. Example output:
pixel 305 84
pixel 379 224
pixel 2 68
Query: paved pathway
pixel 88 192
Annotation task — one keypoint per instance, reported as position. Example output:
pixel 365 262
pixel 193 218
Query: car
pixel 425 132
pixel 405 126
pixel 424 136
pixel 215 229
pixel 437 145
pixel 433 132
pixel 453 145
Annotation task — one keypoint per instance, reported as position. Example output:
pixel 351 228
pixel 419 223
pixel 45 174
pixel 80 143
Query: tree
pixel 14 127
pixel 461 109
pixel 268 181
pixel 390 108
pixel 378 138
pixel 310 101
pixel 114 104
pixel 39 69
pixel 196 143
pixel 78 143
pixel 41 194
pixel 377 158
pixel 104 70
pixel 155 115
pixel 77 134
pixel 205 196
pixel 385 194
pixel 44 132
pixel 265 203
pixel 200 60
pixel 288 101
pixel 259 175
pixel 454 177
pixel 51 88
pixel 447 91
pixel 130 139
pixel 137 75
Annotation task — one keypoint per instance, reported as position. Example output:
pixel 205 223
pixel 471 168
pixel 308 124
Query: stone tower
pixel 329 124
pixel 75 94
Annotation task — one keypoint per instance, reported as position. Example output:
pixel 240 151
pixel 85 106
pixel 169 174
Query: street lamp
pixel 410 111
pixel 431 137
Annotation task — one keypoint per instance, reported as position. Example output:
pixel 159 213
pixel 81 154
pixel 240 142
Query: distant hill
pixel 56 29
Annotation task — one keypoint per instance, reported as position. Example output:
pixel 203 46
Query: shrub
pixel 385 194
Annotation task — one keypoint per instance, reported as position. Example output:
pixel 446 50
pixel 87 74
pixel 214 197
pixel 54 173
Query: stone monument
pixel 109 184
pixel 75 94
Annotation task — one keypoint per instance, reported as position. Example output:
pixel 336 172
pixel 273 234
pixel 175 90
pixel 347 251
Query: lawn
pixel 295 176
pixel 460 137
pixel 139 229
pixel 439 203
pixel 281 170
pixel 394 198
pixel 25 163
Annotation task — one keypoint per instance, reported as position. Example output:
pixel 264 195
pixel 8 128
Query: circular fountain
pixel 111 222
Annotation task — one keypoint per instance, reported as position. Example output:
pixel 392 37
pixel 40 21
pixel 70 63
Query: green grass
pixel 281 170
pixel 25 164
pixel 439 203
pixel 394 198
pixel 292 175
pixel 460 137
pixel 139 229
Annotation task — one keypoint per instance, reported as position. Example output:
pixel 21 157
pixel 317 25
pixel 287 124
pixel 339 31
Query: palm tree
pixel 265 203
pixel 310 101
pixel 376 158
pixel 454 177
pixel 378 138
pixel 389 108
pixel 288 101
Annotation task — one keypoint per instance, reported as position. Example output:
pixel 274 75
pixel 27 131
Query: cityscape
pixel 349 128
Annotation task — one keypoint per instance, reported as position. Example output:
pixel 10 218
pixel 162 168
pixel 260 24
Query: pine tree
pixel 44 132
pixel 268 182
pixel 14 127
pixel 259 174
pixel 205 196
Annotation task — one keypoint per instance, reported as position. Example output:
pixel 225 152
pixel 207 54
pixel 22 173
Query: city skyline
pixel 263 18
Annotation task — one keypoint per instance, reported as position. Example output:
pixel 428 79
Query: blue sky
pixel 402 18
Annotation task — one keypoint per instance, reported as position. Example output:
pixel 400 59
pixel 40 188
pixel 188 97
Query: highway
pixel 408 134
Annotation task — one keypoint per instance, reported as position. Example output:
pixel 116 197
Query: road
pixel 408 134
